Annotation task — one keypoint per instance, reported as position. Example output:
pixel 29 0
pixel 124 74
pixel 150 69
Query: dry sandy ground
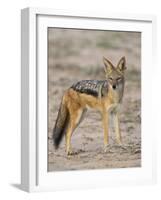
pixel 75 55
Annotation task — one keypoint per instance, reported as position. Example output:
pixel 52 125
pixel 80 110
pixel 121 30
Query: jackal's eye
pixel 110 78
pixel 119 79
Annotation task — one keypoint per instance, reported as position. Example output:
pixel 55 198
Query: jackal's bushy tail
pixel 60 125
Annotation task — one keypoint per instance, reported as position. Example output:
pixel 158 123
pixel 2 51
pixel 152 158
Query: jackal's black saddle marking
pixel 96 88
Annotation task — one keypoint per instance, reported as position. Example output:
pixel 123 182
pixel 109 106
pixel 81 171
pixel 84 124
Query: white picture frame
pixel 34 175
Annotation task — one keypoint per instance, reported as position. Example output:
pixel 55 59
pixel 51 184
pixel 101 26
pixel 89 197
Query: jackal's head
pixel 115 75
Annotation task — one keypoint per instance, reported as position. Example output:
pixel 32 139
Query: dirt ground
pixel 75 55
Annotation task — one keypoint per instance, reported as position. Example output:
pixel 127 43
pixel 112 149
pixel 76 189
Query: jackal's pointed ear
pixel 122 64
pixel 108 66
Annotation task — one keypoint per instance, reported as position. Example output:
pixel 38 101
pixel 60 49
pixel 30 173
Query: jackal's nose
pixel 114 87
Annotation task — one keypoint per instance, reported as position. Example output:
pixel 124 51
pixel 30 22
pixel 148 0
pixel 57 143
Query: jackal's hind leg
pixel 68 140
pixel 73 123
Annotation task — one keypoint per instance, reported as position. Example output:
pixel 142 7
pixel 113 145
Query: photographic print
pixel 94 99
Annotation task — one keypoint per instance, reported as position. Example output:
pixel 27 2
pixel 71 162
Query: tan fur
pixel 77 102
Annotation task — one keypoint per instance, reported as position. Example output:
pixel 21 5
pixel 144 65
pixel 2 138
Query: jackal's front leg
pixel 117 128
pixel 105 120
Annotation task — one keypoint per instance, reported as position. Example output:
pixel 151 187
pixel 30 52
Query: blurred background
pixel 75 55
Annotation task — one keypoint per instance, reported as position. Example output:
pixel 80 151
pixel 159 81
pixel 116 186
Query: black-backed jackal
pixel 102 95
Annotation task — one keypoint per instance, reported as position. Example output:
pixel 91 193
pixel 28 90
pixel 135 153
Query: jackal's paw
pixel 107 148
pixel 119 142
pixel 70 152
pixel 120 146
